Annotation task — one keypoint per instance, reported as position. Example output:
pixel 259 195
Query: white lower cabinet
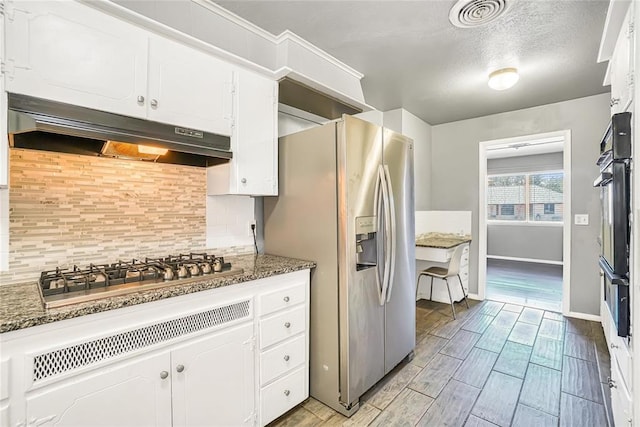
pixel 213 379
pixel 206 382
pixel 134 390
pixel 621 371
pixel 621 402
pixel 193 360
pixel 284 350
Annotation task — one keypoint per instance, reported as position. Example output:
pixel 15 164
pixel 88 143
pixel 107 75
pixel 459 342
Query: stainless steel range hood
pixel 54 126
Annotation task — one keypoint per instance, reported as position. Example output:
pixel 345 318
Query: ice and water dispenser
pixel 366 233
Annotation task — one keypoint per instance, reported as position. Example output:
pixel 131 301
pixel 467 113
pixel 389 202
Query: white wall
pixel 455 164
pixel 406 123
pixel 228 219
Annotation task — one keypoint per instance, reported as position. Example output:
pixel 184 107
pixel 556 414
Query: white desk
pixel 435 249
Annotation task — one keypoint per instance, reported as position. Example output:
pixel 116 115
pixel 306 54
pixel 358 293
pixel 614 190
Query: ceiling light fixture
pixel 503 79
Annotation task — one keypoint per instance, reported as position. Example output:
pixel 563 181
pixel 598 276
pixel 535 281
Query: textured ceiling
pixel 412 57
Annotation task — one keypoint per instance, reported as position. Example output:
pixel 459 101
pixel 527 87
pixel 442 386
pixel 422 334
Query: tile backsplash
pixel 67 209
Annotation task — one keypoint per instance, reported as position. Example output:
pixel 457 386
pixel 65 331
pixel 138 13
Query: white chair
pixel 453 269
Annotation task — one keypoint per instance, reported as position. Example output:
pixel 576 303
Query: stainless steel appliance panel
pixel 361 314
pixel 302 223
pixel 400 332
pixel 333 207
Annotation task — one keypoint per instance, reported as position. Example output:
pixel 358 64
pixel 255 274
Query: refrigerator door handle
pixel 392 235
pixel 387 234
pixel 377 206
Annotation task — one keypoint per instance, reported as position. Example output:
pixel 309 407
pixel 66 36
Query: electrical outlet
pixel 249 229
pixel 581 219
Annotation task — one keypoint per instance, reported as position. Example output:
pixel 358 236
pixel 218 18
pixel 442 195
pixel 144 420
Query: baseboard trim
pixel 533 260
pixel 585 316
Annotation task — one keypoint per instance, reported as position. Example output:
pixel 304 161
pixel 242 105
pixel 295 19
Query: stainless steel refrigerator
pixel 346 201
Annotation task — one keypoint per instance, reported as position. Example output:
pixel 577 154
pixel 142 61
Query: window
pixel 530 197
pixel 506 210
pixel 507 197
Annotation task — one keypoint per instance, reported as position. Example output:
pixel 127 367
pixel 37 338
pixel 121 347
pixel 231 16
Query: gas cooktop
pixel 62 287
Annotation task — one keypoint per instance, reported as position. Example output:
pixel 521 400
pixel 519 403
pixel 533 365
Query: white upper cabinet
pixel 68 52
pixel 254 142
pixel 65 51
pixel 189 88
pixel 4 143
pixel 621 66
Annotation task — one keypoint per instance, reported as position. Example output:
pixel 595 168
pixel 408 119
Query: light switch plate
pixel 581 219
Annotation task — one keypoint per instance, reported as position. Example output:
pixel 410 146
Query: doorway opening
pixel 525 220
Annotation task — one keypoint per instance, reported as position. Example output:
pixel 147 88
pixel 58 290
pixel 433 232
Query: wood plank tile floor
pixel 531 284
pixel 496 365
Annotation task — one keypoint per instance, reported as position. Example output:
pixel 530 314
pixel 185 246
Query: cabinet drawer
pixel 282 326
pixel 283 298
pixel 282 395
pixel 464 260
pixel 282 358
pixel 464 276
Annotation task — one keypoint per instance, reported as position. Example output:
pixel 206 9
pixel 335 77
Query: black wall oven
pixel 614 183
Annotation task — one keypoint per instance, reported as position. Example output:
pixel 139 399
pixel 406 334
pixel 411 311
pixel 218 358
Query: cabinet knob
pixel 614 346
pixel 180 368
pixel 612 384
pixel 243 180
pixel 154 103
pixel 286 299
pixel 286 357
pixel 164 375
pixel 287 325
pixel 140 99
pixel 287 392
pixel 614 101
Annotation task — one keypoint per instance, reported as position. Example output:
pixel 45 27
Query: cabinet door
pixel 621 401
pixel 68 52
pixel 255 137
pixel 213 380
pixel 130 393
pixel 4 143
pixel 189 88
pixel 621 68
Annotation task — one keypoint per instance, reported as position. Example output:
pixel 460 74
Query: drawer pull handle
pixel 612 384
pixel 286 299
pixel 286 357
pixel 180 368
pixel 287 325
pixel 287 392
pixel 614 346
pixel 164 375
pixel 140 99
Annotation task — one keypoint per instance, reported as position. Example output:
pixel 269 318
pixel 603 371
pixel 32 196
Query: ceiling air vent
pixel 474 13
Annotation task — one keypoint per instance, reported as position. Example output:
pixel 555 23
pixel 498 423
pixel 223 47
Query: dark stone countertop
pixel 441 240
pixel 21 305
